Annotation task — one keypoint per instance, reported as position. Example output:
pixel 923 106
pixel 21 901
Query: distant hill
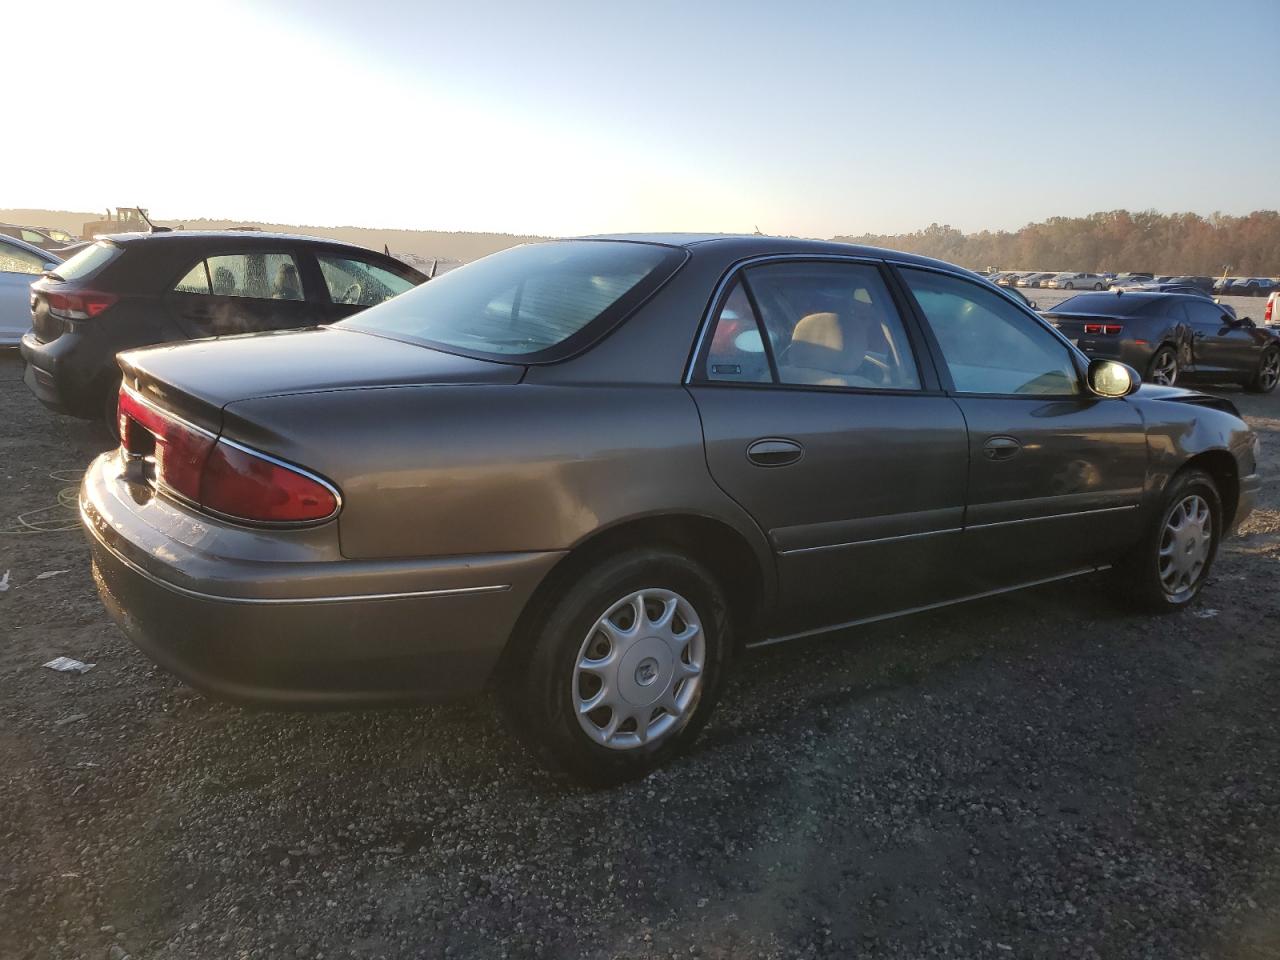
pixel 425 244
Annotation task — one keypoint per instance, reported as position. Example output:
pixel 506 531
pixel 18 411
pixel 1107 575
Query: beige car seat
pixel 828 350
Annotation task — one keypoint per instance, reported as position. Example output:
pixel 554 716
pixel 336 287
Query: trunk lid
pixel 197 379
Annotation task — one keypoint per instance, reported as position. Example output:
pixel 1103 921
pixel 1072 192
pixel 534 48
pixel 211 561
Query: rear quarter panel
pixel 465 469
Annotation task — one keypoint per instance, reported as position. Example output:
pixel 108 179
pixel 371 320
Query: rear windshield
pixel 1102 304
pixel 88 261
pixel 536 302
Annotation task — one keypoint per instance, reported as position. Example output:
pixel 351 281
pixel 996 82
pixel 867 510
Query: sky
pixel 560 118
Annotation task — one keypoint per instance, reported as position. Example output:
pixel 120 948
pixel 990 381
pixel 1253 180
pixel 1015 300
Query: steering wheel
pixel 352 293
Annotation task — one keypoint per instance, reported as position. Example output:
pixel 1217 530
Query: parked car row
pixel 1224 286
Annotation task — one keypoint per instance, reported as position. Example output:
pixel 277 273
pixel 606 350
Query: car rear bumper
pixel 60 378
pixel 292 632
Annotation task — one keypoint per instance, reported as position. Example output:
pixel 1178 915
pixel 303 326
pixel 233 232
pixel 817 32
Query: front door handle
pixel 1000 448
pixel 774 452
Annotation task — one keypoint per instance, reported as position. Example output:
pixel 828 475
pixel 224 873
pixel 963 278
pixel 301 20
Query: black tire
pixel 110 410
pixel 1163 359
pixel 1267 375
pixel 1138 577
pixel 1068 286
pixel 1097 286
pixel 538 695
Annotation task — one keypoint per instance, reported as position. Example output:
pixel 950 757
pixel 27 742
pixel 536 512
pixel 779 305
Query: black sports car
pixel 1172 337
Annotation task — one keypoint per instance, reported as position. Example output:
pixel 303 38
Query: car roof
pixel 248 237
pixel 757 245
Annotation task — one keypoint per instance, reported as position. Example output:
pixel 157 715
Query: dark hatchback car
pixel 137 289
pixel 590 472
pixel 1172 337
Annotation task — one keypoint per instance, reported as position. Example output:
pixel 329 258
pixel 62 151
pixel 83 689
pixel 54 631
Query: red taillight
pixel 1266 317
pixel 248 486
pixel 217 474
pixel 179 449
pixel 1109 329
pixel 79 306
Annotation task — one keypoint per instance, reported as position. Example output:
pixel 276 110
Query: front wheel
pixel 1166 571
pixel 1163 368
pixel 624 669
pixel 1097 286
pixel 1268 373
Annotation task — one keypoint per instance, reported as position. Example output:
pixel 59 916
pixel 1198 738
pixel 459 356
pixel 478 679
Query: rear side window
pixel 542 300
pixel 88 261
pixel 822 324
pixel 261 276
pixel 17 260
pixel 359 282
pixel 834 325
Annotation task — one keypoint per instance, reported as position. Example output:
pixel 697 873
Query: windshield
pixel 88 261
pixel 1102 304
pixel 539 301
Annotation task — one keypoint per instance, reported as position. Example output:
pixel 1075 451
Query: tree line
pixel 1114 241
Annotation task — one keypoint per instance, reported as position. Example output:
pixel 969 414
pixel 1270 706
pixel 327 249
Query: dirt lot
pixel 1035 776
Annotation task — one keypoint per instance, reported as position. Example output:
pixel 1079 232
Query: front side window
pixel 1207 315
pixel 262 276
pixel 833 324
pixel 17 260
pixel 539 299
pixel 989 345
pixel 357 282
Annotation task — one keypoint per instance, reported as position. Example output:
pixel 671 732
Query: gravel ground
pixel 1036 776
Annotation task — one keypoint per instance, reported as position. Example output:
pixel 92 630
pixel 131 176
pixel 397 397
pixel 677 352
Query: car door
pixel 826 423
pixel 1056 474
pixel 1220 345
pixel 18 268
pixel 245 291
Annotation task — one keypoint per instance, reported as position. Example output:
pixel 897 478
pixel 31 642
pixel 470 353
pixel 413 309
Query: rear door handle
pixel 774 452
pixel 1000 448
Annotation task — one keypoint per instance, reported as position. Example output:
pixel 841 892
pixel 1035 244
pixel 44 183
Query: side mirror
pixel 1111 378
pixel 1033 305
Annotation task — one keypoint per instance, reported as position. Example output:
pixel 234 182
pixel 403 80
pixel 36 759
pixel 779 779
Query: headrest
pixel 825 341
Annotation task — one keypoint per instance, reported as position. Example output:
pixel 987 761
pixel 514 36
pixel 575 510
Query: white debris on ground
pixel 68 665
pixel 4 582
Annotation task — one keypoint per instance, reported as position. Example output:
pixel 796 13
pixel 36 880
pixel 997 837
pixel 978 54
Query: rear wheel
pixel 1268 372
pixel 1163 368
pixel 1166 571
pixel 624 669
pixel 1097 286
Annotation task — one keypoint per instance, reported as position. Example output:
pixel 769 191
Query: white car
pixel 1075 281
pixel 20 264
